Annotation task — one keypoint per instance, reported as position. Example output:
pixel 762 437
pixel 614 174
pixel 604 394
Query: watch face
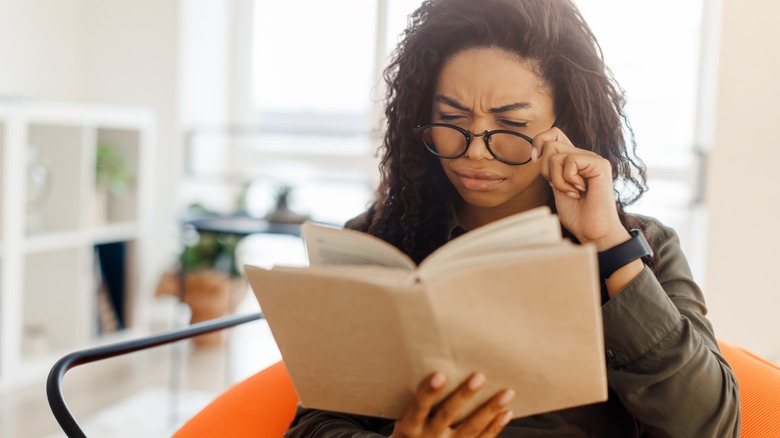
pixel 614 258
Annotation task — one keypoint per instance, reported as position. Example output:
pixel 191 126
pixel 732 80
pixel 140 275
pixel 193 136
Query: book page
pixel 445 266
pixel 340 337
pixel 337 246
pixel 532 324
pixel 532 228
pixel 380 275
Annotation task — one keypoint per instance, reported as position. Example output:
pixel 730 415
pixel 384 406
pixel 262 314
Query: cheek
pixel 524 175
pixel 445 166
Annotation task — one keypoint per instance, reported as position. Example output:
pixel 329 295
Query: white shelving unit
pixel 51 219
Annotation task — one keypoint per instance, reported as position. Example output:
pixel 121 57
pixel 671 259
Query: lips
pixel 478 179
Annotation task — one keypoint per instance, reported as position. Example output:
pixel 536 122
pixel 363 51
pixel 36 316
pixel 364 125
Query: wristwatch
pixel 618 256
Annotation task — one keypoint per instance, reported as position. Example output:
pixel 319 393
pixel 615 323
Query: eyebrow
pixel 501 109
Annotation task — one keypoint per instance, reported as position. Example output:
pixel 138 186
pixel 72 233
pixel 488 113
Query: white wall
pixel 743 194
pixel 41 48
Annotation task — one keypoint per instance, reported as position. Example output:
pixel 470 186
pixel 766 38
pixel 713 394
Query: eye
pixel 514 124
pixel 449 117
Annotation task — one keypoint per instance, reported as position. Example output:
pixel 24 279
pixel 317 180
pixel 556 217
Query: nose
pixel 478 148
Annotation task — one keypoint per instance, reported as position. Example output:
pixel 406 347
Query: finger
pixel 555 165
pixel 591 165
pixel 487 415
pixel 551 135
pixel 557 180
pixel 450 408
pixel 551 149
pixel 497 425
pixel 588 168
pixel 571 173
pixel 425 398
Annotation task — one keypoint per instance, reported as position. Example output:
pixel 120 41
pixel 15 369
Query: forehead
pixel 490 75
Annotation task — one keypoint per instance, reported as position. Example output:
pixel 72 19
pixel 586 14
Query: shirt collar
pixel 454 228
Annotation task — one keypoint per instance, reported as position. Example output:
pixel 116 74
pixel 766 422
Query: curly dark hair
pixel 413 199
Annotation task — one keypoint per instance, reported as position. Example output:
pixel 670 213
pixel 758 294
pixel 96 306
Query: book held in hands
pixel 363 325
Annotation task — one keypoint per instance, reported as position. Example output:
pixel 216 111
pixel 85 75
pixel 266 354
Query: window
pixel 314 71
pixel 326 79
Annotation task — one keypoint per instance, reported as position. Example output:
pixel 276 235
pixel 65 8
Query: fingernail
pixel 579 187
pixel 476 381
pixel 506 397
pixel 437 381
pixel 506 418
pixel 534 155
pixel 573 195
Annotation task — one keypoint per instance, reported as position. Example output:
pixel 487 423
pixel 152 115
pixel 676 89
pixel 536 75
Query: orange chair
pixel 264 404
pixel 261 406
pixel 759 391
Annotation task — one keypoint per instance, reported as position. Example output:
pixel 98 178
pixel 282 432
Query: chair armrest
pixel 54 394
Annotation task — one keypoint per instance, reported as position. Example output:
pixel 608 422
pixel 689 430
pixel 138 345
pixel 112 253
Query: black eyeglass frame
pixel 470 136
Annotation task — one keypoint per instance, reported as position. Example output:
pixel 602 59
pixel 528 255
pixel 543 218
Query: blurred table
pixel 240 225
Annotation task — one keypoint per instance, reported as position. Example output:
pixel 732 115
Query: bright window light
pixel 320 61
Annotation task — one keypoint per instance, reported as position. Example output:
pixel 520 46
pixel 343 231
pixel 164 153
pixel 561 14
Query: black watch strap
pixel 618 256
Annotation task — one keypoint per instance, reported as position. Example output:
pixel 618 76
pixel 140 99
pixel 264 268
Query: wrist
pixel 610 240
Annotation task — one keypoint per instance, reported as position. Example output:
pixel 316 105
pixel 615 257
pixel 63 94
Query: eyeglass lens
pixel 450 143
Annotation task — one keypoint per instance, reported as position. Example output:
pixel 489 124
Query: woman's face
pixel 487 89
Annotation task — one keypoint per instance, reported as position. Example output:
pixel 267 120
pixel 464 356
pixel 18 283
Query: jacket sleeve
pixel 312 423
pixel 663 360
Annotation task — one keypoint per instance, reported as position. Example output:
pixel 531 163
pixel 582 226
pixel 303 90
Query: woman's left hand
pixel 581 181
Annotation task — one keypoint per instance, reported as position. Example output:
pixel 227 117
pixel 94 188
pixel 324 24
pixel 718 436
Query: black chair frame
pixel 54 392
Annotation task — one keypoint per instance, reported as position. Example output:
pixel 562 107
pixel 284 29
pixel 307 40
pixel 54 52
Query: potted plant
pixel 113 179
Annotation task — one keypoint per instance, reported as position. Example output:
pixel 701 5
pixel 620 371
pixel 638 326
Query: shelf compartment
pixel 111 287
pixel 56 166
pixel 119 204
pixel 57 306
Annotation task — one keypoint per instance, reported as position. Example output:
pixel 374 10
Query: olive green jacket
pixel 665 372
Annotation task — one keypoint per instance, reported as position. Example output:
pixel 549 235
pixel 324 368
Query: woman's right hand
pixel 424 419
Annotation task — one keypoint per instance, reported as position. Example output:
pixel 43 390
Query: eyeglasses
pixel 450 141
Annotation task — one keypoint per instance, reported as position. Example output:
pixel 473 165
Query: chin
pixel 482 199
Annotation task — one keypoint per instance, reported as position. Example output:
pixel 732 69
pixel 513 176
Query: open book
pixel 361 326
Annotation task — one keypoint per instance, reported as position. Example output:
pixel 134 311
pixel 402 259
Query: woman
pixel 499 106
